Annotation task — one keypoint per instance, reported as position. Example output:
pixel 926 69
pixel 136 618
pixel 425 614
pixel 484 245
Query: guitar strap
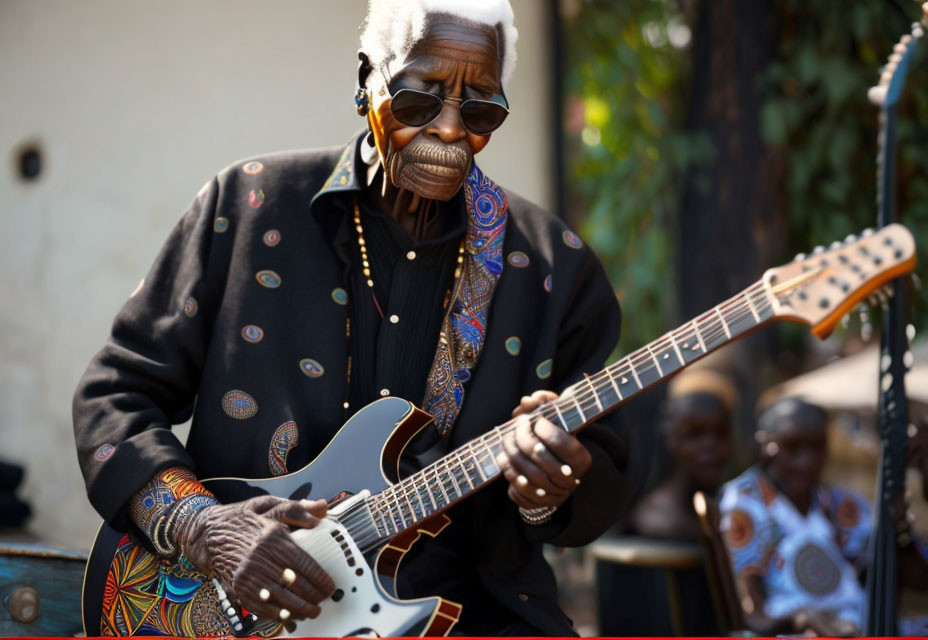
pixel 464 326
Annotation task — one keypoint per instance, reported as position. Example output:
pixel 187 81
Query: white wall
pixel 137 104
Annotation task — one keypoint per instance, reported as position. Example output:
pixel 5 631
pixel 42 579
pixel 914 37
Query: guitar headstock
pixel 888 90
pixel 820 288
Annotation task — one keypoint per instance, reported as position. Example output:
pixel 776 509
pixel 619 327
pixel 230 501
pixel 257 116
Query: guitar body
pixel 129 591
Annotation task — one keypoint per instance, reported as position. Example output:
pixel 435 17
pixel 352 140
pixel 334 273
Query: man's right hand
pixel 247 547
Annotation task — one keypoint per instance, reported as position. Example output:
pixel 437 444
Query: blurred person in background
pixel 799 546
pixel 697 431
pixel 303 285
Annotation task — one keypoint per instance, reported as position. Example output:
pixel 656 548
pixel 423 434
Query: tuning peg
pixel 799 257
pixel 845 321
pixel 850 238
pixel 877 95
pixel 866 329
pixel 888 290
pixel 916 281
pixel 908 359
pixel 910 333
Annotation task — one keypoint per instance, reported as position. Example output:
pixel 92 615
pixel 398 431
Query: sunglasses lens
pixel 482 116
pixel 415 108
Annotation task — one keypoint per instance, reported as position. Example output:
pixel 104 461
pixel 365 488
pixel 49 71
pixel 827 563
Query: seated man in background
pixel 798 545
pixel 696 428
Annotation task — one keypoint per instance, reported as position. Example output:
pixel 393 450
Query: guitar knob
pixel 24 604
pixel 850 238
pixel 817 250
pixel 895 58
pixel 877 95
pixel 799 257
pixel 834 245
pixel 866 232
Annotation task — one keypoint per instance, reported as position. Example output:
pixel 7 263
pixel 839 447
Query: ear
pixel 364 68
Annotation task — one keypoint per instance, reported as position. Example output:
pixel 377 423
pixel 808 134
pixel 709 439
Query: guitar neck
pixel 470 467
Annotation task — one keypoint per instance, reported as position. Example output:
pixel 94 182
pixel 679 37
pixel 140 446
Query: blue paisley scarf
pixel 465 324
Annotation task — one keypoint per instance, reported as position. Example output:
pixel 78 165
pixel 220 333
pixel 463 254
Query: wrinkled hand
pixel 543 464
pixel 247 545
pixel 824 623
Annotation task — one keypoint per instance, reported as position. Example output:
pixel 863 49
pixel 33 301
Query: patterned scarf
pixel 465 324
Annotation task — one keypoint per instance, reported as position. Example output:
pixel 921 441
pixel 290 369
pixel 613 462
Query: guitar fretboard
pixel 468 468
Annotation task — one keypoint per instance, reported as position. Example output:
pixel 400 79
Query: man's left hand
pixel 543 462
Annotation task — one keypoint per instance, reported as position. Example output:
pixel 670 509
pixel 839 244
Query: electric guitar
pixel 375 517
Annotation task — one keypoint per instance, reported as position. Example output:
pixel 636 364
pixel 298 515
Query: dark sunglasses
pixel 417 108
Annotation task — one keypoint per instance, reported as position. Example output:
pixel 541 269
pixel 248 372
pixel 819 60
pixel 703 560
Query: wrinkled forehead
pixel 449 38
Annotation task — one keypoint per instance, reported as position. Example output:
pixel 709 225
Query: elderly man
pixel 301 286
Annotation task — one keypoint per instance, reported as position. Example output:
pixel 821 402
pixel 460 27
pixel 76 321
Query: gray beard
pixel 430 170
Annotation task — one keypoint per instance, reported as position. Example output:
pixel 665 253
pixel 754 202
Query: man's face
pixel 453 60
pixel 700 441
pixel 795 455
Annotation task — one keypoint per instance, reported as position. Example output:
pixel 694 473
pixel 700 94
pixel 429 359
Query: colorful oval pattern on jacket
pixel 239 405
pixel 268 278
pixel 252 333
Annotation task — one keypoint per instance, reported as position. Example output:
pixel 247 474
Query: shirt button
pixel 384 392
pixel 394 318
pixel 410 255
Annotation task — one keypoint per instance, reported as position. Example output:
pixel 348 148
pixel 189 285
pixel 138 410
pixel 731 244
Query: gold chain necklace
pixel 366 264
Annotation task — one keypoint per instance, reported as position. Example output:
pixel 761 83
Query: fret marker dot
pixel 345 405
pixel 411 255
pixel 384 392
pixel 666 355
pixel 394 318
pixel 624 380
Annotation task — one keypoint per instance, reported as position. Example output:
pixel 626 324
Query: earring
pixel 361 101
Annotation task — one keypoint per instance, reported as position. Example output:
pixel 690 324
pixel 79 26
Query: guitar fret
pixel 418 493
pixel 492 460
pixel 631 367
pixel 724 324
pixel 699 336
pixel 752 308
pixel 656 361
pixel 612 380
pixel 441 485
pixel 593 390
pixel 463 467
pixel 560 416
pixel 676 349
pixel 579 408
pixel 454 484
pixel 428 489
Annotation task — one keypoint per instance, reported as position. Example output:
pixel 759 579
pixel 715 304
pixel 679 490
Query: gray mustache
pixel 443 156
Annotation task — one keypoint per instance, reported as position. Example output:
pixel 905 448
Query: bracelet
pixel 537 516
pixel 158 538
pixel 183 511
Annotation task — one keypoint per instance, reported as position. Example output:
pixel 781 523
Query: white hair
pixel 392 27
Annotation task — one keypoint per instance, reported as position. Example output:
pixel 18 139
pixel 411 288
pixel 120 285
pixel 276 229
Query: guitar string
pixel 741 304
pixel 394 499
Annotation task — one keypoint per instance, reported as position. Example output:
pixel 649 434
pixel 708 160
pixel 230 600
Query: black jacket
pixel 178 348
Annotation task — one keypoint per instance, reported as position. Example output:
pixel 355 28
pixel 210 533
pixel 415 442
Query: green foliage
pixel 626 165
pixel 625 175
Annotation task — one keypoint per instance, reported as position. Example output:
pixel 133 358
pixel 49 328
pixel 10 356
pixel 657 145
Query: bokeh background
pixel 692 143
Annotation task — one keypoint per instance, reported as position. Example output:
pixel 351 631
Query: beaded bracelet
pixel 537 516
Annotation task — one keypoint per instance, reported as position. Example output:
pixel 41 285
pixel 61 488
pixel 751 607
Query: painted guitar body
pixel 128 591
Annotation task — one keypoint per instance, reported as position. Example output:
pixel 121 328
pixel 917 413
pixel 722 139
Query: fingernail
pixel 521 481
pixel 566 470
pixel 539 448
pixel 576 481
pixel 502 460
pixel 541 493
